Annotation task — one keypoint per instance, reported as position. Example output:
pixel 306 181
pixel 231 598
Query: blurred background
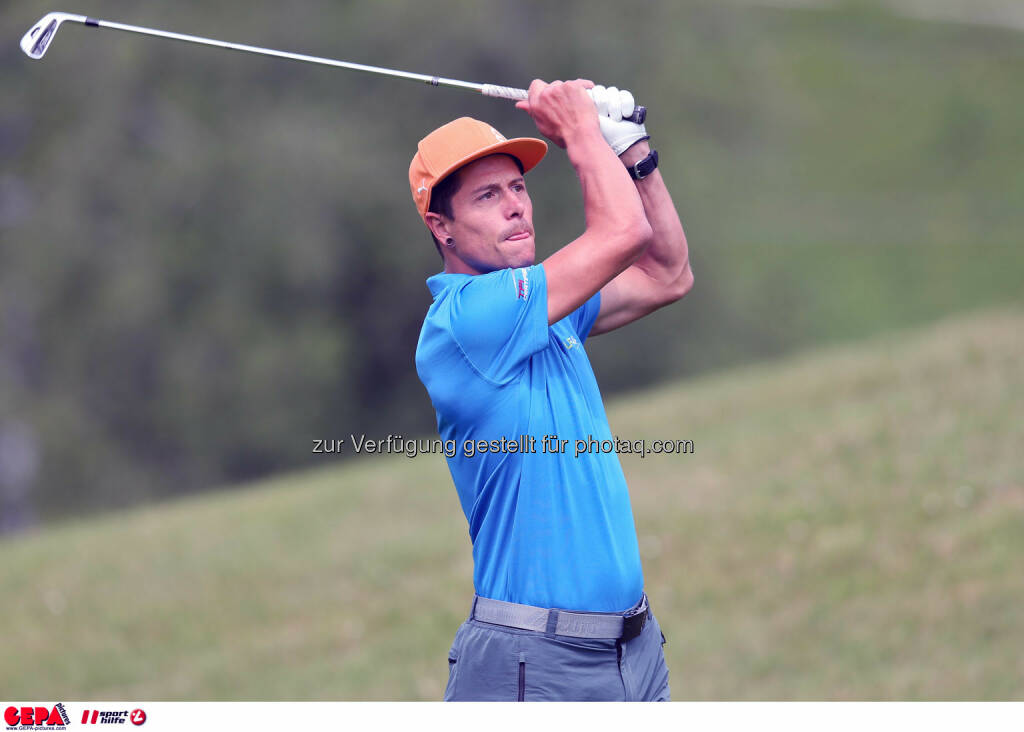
pixel 209 260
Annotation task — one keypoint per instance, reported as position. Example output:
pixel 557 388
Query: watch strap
pixel 643 168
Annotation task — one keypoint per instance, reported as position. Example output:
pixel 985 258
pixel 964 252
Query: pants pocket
pixel 449 690
pixel 522 677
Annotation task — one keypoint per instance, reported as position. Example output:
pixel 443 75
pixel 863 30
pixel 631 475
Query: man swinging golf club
pixel 560 612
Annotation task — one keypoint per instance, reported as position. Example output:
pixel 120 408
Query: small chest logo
pixel 523 285
pixel 571 343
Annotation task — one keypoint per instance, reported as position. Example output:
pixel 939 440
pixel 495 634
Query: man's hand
pixel 562 111
pixel 611 105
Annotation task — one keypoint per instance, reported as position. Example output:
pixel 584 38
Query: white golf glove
pixel 612 104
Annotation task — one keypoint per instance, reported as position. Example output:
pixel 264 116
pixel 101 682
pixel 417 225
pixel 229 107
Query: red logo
pixel 523 284
pixel 138 717
pixel 42 717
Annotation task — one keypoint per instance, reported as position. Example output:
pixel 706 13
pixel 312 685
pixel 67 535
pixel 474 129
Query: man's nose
pixel 514 207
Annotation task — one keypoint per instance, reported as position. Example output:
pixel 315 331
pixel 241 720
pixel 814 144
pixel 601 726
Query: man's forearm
pixel 609 201
pixel 666 258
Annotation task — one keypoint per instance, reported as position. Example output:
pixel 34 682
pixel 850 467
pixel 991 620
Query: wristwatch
pixel 645 167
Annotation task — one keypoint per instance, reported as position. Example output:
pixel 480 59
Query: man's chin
pixel 522 256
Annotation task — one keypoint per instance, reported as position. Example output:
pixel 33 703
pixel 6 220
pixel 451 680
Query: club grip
pixel 505 92
pixel 510 92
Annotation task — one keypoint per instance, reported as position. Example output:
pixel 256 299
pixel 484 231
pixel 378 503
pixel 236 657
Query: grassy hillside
pixel 848 528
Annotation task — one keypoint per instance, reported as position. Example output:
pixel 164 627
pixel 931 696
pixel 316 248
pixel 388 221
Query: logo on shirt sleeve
pixel 523 284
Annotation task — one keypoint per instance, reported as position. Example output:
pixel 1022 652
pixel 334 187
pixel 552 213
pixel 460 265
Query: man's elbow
pixel 627 240
pixel 680 286
pixel 638 236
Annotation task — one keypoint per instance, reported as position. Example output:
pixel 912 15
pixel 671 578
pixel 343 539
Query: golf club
pixel 38 39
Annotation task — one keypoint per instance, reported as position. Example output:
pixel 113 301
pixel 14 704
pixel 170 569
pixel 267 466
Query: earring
pixel 449 242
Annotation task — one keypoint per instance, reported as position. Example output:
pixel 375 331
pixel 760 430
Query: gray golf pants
pixel 496 663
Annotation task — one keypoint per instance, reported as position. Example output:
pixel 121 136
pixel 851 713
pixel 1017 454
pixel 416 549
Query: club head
pixel 38 39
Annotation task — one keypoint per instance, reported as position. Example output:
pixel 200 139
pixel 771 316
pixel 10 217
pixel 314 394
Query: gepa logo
pixel 37 717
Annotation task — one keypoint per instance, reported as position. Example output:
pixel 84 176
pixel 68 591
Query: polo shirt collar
pixel 443 280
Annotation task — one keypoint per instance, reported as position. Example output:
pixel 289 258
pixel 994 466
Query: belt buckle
pixel 633 625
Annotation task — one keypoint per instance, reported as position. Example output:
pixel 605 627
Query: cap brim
pixel 528 150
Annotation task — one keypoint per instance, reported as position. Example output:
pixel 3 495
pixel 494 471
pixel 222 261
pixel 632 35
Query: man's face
pixel 493 224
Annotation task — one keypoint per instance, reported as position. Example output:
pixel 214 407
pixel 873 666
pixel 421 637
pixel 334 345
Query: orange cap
pixel 451 146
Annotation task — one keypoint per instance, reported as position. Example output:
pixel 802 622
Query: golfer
pixel 560 611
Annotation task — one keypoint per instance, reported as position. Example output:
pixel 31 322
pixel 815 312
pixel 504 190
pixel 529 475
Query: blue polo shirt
pixel 549 528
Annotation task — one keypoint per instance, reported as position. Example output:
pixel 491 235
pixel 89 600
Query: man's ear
pixel 438 226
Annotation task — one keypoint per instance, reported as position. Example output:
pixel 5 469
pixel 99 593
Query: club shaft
pixel 422 78
pixel 37 40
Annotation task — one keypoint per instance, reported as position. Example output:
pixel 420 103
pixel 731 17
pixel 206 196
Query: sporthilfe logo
pixel 95 716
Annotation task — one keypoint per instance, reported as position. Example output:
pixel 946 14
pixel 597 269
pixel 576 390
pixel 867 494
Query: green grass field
pixel 851 526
